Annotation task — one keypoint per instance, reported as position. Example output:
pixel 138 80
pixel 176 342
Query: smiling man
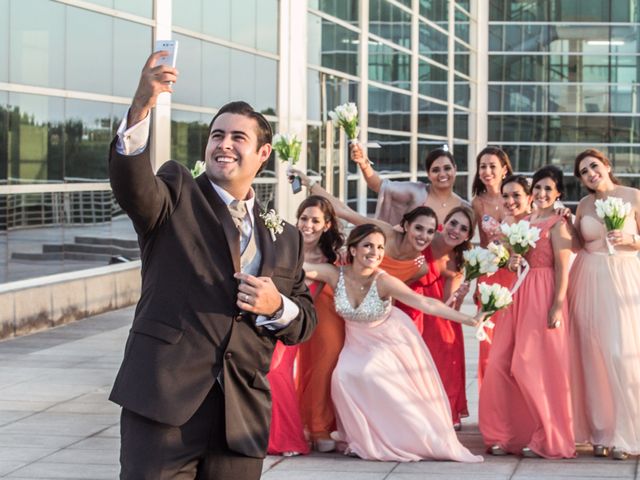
pixel 215 298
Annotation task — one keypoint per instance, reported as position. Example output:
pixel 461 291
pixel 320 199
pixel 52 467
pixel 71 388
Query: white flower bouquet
pixel 198 169
pixel 501 253
pixel 492 298
pixel 479 261
pixel 346 116
pixel 288 147
pixel 521 236
pixel 613 211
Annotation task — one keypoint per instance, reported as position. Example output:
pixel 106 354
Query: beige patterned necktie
pixel 242 221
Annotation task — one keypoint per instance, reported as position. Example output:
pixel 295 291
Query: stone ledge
pixel 44 302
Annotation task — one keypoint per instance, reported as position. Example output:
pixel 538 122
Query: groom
pixel 219 287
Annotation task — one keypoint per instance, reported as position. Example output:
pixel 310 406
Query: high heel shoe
pixel 618 454
pixel 497 450
pixel 600 451
pixel 324 445
pixel 528 453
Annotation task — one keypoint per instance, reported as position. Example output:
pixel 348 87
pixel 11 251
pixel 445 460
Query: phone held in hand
pixel 296 184
pixel 170 46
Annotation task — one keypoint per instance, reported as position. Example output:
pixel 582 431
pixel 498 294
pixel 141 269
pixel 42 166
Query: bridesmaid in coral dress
pixel 605 308
pixel 317 357
pixel 492 167
pixel 390 403
pixel 525 400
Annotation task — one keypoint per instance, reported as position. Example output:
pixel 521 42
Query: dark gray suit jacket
pixel 187 325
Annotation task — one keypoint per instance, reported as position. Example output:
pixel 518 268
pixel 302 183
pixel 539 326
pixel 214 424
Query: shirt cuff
pixel 133 140
pixel 282 317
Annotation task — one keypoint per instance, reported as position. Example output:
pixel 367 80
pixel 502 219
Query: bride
pixel 388 397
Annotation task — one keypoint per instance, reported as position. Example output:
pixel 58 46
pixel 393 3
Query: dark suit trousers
pixel 196 450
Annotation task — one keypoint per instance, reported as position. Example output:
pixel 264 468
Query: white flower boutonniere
pixel 273 222
pixel 198 168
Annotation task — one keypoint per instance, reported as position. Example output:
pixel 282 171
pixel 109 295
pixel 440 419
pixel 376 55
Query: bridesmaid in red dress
pixel 322 238
pixel 525 399
pixel 443 337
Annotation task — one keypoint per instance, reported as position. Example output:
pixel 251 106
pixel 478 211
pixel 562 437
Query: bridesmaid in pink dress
pixel 605 309
pixel 390 402
pixel 492 166
pixel 525 401
pixel 321 239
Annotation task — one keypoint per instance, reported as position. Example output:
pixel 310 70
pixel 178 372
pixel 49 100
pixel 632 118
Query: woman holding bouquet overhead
pixel 525 402
pixel 604 301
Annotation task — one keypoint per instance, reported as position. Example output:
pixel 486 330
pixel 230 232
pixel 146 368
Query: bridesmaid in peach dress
pixel 525 401
pixel 390 402
pixel 604 300
pixel 492 167
pixel 317 356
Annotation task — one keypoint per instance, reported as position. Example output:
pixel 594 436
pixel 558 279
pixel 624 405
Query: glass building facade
pixel 543 79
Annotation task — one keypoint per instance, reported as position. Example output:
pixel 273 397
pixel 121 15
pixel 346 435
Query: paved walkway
pixel 56 422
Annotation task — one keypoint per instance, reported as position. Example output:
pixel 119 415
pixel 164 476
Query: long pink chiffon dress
pixel 389 399
pixel 525 398
pixel 604 301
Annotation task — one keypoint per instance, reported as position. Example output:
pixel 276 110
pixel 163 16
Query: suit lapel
pixel 222 212
pixel 267 245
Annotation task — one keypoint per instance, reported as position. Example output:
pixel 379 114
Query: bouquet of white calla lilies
pixel 521 236
pixel 501 253
pixel 198 168
pixel 288 147
pixel 346 116
pixel 478 261
pixel 492 298
pixel 613 211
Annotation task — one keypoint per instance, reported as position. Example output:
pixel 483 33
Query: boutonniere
pixel 198 168
pixel 273 222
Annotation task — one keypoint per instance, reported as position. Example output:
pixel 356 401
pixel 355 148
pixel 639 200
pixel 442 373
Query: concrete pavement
pixel 56 421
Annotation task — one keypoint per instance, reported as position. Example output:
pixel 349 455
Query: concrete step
pixel 120 242
pixel 103 258
pixel 93 249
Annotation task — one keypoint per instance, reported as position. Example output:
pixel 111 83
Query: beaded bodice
pixel 371 309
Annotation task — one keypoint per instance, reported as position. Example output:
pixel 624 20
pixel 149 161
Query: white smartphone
pixel 170 46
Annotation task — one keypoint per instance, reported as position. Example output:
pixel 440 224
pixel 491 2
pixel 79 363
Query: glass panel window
pixel 37 52
pixel 188 88
pixel 388 65
pixel 433 44
pixel 332 46
pixel 36 136
pixel 89 57
pixel 461 125
pixel 394 154
pixel 243 22
pixel 216 80
pixel 435 10
pixel 432 81
pixel 132 44
pixel 89 129
pixel 189 136
pixel 461 92
pixel 144 8
pixel 346 10
pixel 462 26
pixel 388 21
pixel 462 59
pixel 4 43
pixel 326 92
pixel 432 118
pixel 389 110
pixel 565 10
pixel 4 141
pixel 189 15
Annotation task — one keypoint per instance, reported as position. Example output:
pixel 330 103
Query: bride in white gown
pixel 388 397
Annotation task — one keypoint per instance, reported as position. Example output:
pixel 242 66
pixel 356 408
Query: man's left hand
pixel 258 295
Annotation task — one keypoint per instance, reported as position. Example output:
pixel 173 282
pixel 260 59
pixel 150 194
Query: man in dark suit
pixel 215 298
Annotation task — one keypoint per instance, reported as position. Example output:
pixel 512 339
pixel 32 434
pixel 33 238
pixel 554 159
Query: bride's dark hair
pixel 358 234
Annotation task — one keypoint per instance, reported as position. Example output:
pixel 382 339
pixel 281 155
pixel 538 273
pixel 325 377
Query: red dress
pixel 286 434
pixel 445 342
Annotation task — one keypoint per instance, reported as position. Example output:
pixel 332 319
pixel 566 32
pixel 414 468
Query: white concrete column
pixel 414 161
pixel 292 95
pixel 451 61
pixel 161 120
pixel 363 94
pixel 479 69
